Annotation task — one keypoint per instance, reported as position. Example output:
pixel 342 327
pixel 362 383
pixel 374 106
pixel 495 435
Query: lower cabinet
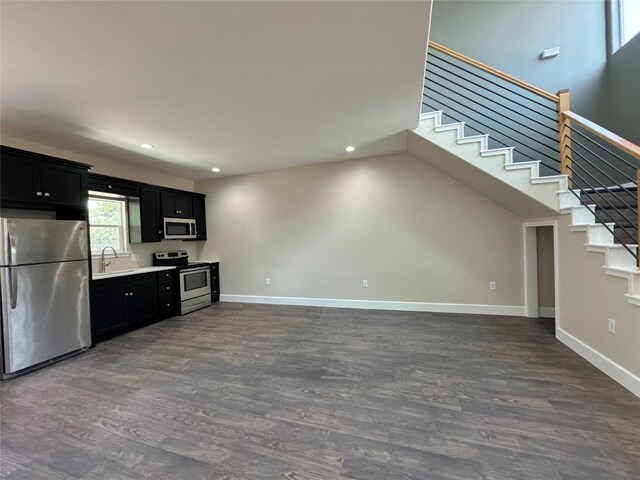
pixel 120 304
pixel 168 294
pixel 215 281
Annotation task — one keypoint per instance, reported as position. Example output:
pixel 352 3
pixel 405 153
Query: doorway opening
pixel 541 292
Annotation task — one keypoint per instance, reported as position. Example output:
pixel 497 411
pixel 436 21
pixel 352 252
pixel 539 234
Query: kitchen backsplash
pixel 144 252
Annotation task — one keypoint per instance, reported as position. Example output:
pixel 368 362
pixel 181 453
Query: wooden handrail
pixel 610 137
pixel 497 73
pixel 564 135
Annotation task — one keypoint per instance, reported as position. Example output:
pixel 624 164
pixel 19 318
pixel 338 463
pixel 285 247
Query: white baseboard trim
pixel 624 377
pixel 510 310
pixel 547 312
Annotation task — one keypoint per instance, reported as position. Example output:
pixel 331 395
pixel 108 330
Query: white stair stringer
pixel 497 162
pixel 552 191
pixel 618 262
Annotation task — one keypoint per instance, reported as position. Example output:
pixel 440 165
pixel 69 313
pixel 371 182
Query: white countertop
pixel 131 271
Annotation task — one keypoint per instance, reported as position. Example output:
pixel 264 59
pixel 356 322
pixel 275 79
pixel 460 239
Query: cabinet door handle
pixel 126 294
pixel 159 232
pixel 39 194
pixel 46 194
pixel 131 293
pixel 168 304
pixel 110 187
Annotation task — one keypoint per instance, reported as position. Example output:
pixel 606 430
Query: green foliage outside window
pixel 106 224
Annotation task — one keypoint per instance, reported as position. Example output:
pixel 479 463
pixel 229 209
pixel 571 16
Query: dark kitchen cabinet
pixel 34 181
pixel 19 180
pixel 168 294
pixel 175 204
pixel 64 186
pixel 151 215
pixel 200 216
pixel 215 281
pixel 106 184
pixel 145 217
pixel 107 310
pixel 120 304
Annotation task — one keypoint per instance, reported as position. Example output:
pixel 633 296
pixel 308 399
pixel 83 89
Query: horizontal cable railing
pixel 514 113
pixel 603 169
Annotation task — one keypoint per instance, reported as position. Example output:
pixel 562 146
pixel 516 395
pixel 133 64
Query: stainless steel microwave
pixel 179 228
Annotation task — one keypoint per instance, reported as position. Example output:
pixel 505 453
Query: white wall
pixel 117 167
pixel 587 299
pixel 414 233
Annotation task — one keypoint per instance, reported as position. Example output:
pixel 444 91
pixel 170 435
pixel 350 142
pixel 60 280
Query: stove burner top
pixel 176 258
pixel 192 265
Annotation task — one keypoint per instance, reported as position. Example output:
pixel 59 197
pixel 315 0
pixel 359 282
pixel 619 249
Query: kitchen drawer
pixel 166 275
pixel 166 289
pixel 167 307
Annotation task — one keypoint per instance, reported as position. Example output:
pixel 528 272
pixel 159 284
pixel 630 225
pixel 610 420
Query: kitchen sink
pixel 115 272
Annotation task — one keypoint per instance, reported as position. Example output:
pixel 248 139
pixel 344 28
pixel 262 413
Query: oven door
pixel 195 283
pixel 179 228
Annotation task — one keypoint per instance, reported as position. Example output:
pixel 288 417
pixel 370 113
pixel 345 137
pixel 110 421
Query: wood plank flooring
pixel 273 392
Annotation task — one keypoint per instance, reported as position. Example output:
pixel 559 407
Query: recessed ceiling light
pixel 215 169
pixel 146 145
pixel 350 148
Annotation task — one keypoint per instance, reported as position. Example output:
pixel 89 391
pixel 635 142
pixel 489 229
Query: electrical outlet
pixel 135 257
pixel 267 281
pixel 365 283
pixel 493 286
pixel 612 326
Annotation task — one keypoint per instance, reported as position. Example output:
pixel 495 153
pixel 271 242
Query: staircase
pixel 523 148
pixel 618 206
pixel 551 193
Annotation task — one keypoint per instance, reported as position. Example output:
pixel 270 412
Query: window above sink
pixel 107 222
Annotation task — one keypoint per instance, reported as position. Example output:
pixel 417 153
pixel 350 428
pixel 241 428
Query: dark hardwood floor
pixel 270 392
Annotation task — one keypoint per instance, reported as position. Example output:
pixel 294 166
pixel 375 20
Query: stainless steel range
pixel 195 279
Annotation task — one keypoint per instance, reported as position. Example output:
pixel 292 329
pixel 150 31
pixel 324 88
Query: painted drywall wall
pixel 415 234
pixel 118 168
pixel 509 35
pixel 621 92
pixel 588 298
pixel 546 289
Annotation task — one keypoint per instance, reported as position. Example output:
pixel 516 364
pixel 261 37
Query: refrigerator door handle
pixel 13 289
pixel 9 244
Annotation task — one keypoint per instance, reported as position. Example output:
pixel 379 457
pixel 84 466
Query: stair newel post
pixel 564 134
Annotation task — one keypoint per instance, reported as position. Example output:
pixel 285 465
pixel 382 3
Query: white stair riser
pixel 479 142
pixel 533 167
pixel 618 257
pixel 598 235
pixel 581 215
pixel 567 199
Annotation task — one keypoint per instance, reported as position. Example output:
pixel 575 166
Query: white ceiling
pixel 246 86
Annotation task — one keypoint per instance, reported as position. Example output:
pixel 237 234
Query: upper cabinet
pixel 151 226
pixel 102 183
pixel 148 205
pixel 200 216
pixel 34 181
pixel 176 204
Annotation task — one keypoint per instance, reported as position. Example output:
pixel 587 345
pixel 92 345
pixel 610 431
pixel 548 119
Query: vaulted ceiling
pixel 244 86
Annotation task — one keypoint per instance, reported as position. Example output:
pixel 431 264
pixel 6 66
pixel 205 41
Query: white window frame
pixel 615 25
pixel 122 228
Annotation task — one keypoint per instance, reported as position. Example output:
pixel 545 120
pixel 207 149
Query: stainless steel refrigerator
pixel 44 275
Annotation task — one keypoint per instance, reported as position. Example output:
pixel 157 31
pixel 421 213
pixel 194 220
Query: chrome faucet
pixel 104 264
